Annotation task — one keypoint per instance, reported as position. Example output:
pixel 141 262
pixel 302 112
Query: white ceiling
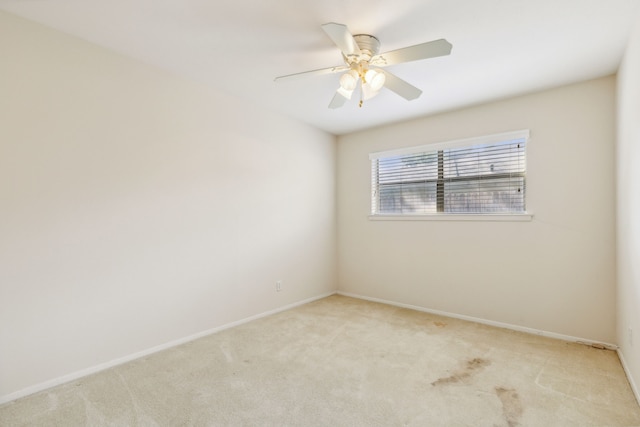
pixel 501 48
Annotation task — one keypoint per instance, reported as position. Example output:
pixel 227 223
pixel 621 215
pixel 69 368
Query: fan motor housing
pixel 369 46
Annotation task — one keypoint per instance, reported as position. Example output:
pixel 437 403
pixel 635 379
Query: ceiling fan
pixel 363 62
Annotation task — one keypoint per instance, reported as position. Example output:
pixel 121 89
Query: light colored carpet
pixel 346 362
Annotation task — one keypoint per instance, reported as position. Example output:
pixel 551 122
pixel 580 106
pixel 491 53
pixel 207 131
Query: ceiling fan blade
pixel 341 36
pixel 330 70
pixel 413 53
pixel 337 101
pixel 399 86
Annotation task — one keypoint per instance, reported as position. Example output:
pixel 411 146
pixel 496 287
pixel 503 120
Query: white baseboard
pixel 487 322
pixel 632 383
pixel 101 367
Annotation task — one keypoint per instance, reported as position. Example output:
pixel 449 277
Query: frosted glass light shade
pixel 348 81
pixel 346 93
pixel 368 92
pixel 375 79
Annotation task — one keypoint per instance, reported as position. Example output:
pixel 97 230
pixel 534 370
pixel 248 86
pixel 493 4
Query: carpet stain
pixel 511 405
pixel 471 368
pixel 440 324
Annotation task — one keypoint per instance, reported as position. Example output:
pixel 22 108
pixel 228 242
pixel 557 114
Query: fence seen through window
pixel 472 176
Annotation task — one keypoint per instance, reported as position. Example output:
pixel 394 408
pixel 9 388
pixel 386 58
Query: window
pixel 484 175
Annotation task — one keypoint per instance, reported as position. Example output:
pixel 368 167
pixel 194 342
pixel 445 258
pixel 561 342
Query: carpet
pixel 341 361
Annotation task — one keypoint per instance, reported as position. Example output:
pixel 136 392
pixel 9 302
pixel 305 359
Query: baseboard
pixel 103 366
pixel 518 328
pixel 632 383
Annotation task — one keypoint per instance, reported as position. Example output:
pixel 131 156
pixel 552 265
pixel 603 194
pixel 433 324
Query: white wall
pixel 555 273
pixel 628 182
pixel 138 208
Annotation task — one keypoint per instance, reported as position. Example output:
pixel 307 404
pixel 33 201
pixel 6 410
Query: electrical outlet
pixel 278 285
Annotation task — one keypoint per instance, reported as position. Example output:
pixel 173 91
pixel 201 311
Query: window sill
pixel 454 217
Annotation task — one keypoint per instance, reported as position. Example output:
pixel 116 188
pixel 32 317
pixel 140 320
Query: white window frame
pixel 486 139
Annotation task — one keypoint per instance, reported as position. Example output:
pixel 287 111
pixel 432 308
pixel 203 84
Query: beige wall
pixel 138 208
pixel 628 182
pixel 555 273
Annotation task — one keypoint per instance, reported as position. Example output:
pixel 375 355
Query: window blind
pixel 480 175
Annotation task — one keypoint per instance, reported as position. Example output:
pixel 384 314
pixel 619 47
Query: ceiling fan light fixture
pixel 375 79
pixel 359 52
pixel 349 80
